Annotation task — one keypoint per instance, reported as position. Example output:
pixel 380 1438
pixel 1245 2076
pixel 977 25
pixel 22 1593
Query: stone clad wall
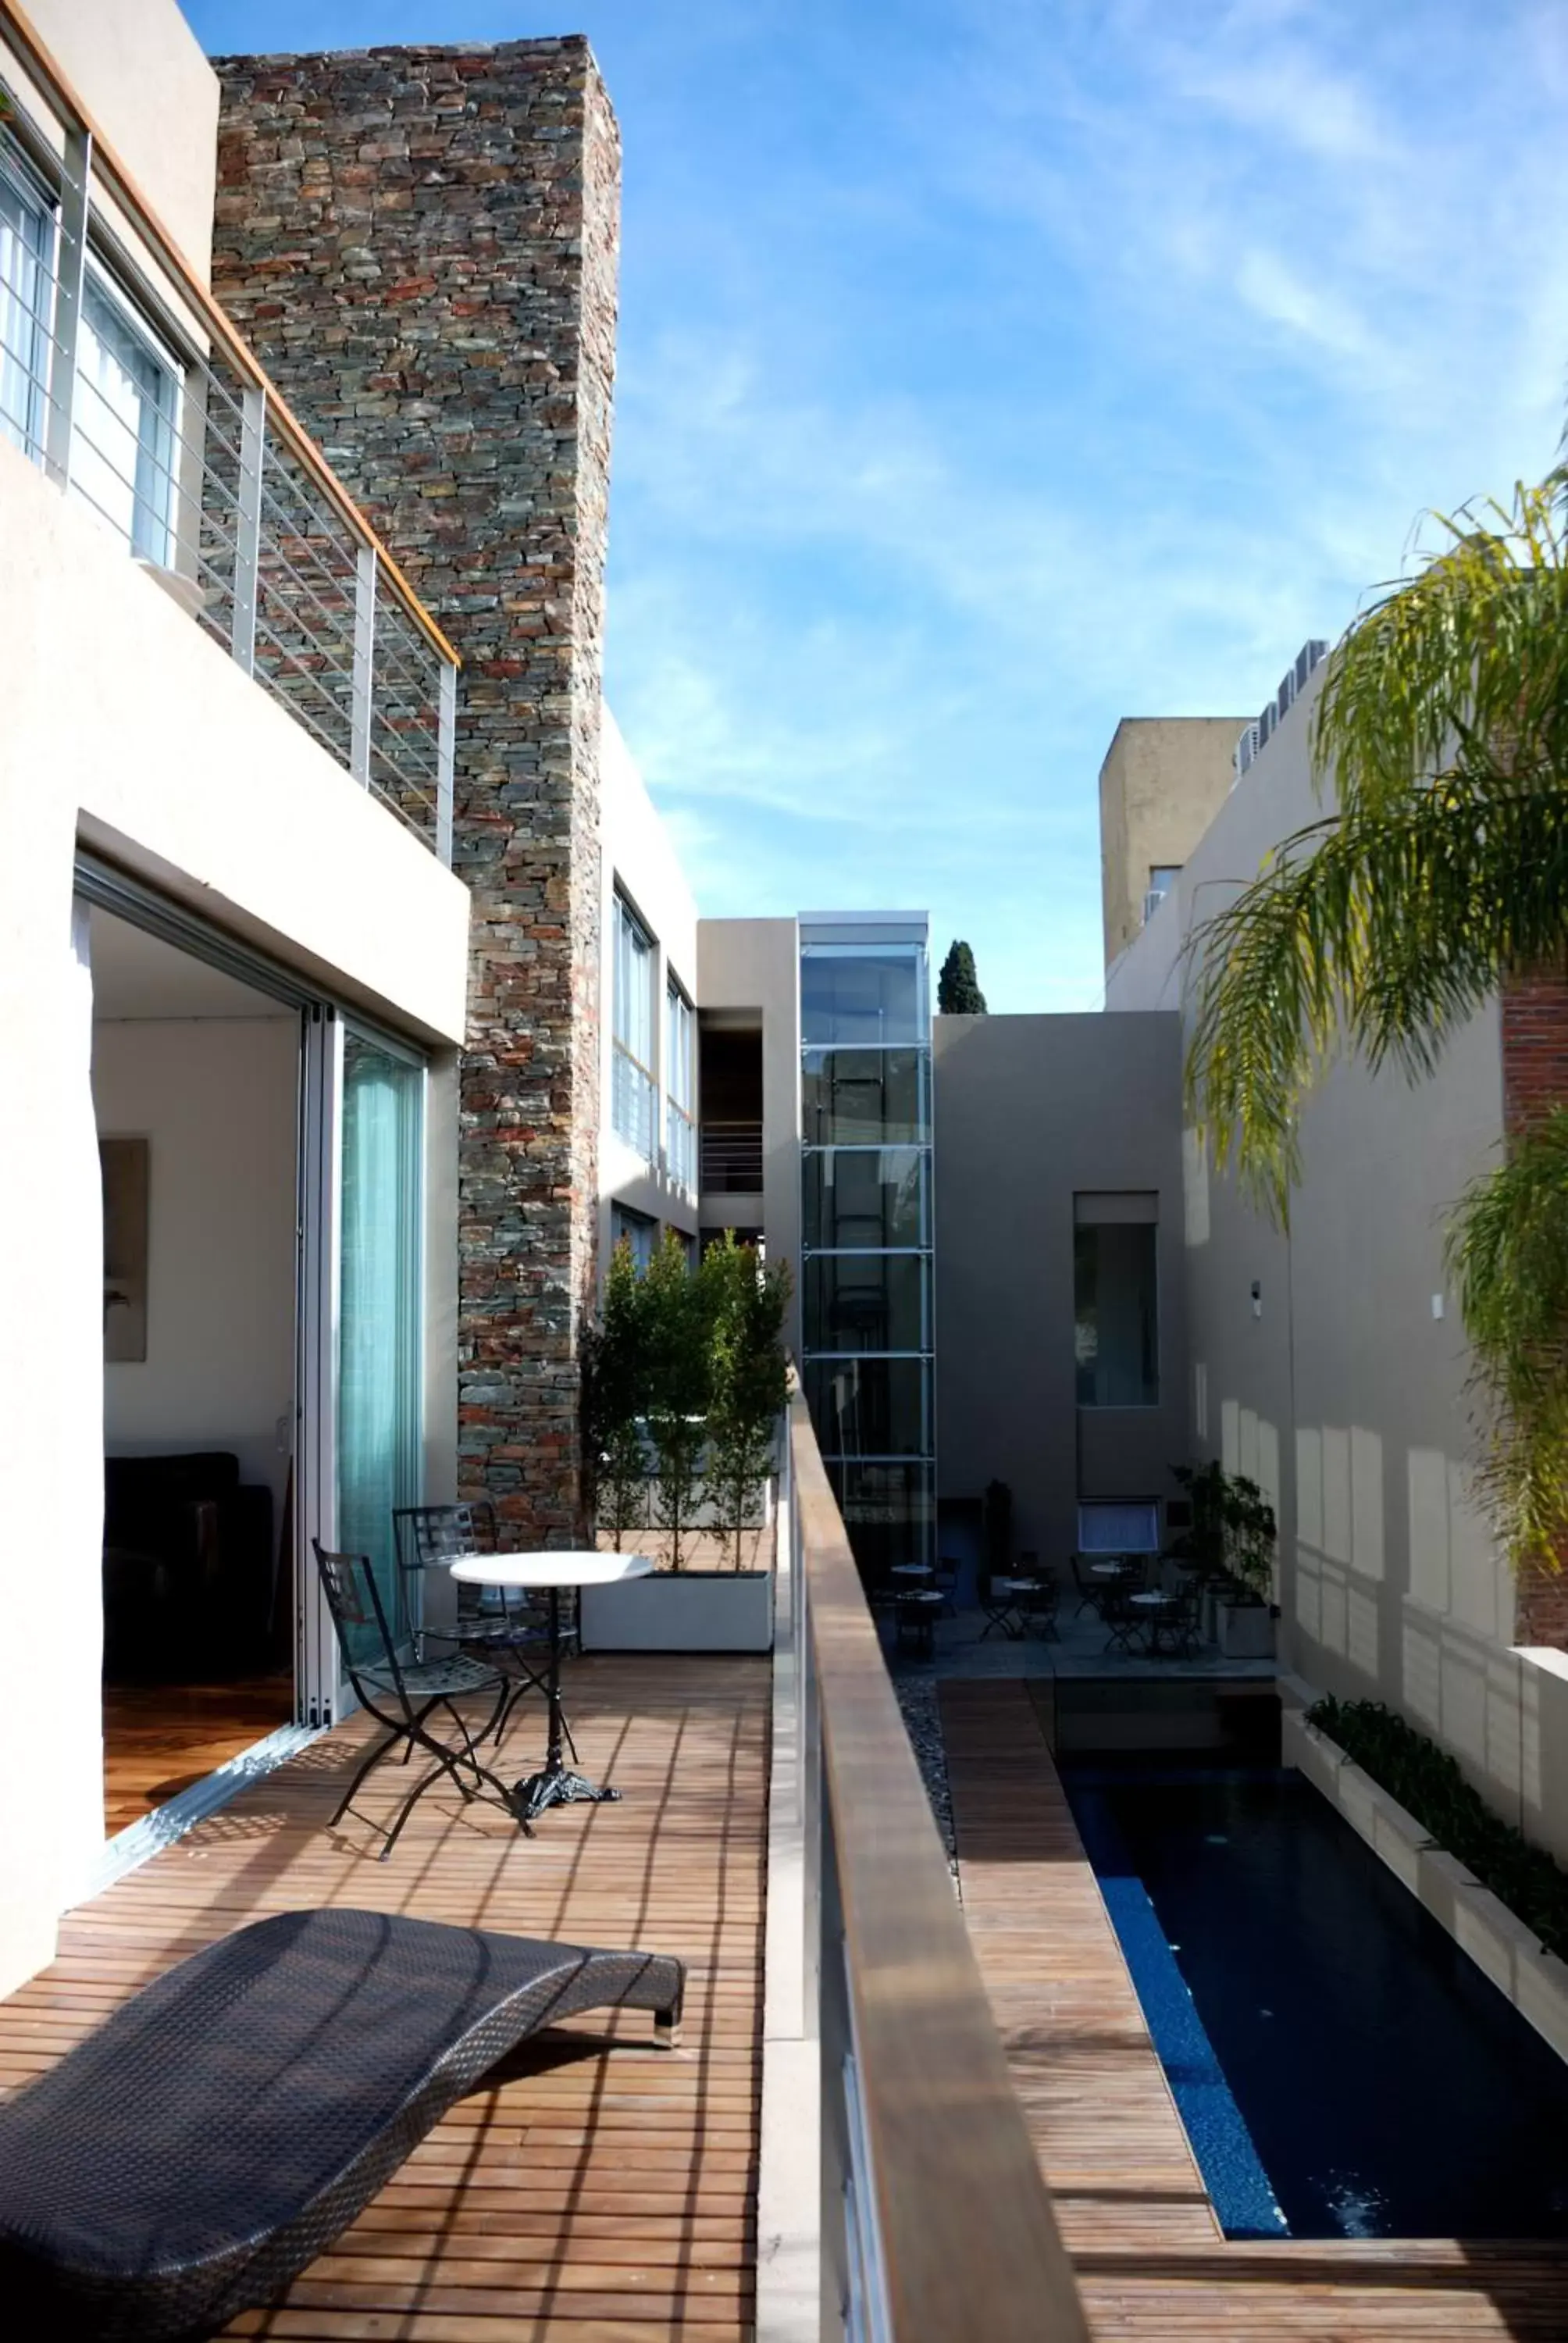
pixel 421 244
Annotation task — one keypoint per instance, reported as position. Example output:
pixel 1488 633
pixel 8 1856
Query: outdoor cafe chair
pixel 403 1696
pixel 494 1623
pixel 1120 1617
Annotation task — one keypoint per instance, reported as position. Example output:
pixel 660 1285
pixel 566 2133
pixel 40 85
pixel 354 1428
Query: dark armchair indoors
pixel 188 1569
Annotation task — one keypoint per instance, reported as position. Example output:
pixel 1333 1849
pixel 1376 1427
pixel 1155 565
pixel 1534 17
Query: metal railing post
pixel 364 682
pixel 445 750
pixel 70 275
pixel 248 527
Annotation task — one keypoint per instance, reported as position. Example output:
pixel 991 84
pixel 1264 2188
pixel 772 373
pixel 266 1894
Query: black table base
pixel 555 1784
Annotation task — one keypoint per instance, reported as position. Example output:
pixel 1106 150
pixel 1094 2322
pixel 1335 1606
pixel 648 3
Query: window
pixel 871 1407
pixel 865 1197
pixel 867 1301
pixel 850 1096
pixel 635 1230
pixel 873 993
pixel 1116 1332
pixel 26 233
pixel 680 1088
pixel 632 1083
pixel 1162 877
pixel 123 428
pixel 1119 1529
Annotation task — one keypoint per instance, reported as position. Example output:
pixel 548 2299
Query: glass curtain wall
pixel 378 1345
pixel 866 1270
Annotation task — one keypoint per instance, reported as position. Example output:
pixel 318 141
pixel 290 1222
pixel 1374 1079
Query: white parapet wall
pixel 1534 1981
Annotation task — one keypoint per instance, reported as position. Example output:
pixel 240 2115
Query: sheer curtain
pixel 378 1306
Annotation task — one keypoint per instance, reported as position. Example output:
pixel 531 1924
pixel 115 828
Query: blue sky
pixel 990 371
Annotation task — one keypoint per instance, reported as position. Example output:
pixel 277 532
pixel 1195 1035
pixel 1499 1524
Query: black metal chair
pixel 494 1623
pixel 946 1581
pixel 1090 1590
pixel 402 1695
pixel 1120 1619
pixel 1039 1603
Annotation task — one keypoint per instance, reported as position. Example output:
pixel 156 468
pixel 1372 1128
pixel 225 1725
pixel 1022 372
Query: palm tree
pixel 1441 872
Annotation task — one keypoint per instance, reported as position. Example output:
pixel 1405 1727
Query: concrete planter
pixel 1534 1981
pixel 691 1611
pixel 1246 1631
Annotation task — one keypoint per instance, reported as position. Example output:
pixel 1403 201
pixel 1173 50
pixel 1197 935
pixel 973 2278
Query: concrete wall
pixel 755 964
pixel 216 1098
pixel 637 856
pixel 1341 1390
pixel 138 70
pixel 422 245
pixel 1030 1111
pixel 1163 780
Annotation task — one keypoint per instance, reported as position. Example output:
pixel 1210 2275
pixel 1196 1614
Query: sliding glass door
pixel 378 1346
pixel 362 1368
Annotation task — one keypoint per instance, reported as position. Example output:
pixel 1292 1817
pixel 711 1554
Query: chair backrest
pixel 354 1600
pixel 429 1537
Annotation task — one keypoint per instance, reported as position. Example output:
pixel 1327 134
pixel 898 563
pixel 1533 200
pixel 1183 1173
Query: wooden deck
pixel 599 2195
pixel 1150 2256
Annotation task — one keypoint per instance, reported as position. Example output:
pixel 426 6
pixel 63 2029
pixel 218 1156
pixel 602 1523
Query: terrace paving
pixel 603 2191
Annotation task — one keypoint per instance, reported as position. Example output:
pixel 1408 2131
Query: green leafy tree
pixel 1441 872
pixel 1233 1533
pixel 745 1312
pixel 674 1307
pixel 614 1400
pixel 957 986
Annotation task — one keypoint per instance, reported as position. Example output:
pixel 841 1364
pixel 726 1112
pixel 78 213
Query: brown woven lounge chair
pixel 208 2141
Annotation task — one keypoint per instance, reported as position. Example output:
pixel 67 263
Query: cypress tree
pixel 957 986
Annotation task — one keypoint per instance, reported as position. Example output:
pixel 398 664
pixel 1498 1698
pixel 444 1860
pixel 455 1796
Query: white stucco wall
pixel 139 72
pixel 216 1098
pixel 638 859
pixel 124 728
pixel 1341 1390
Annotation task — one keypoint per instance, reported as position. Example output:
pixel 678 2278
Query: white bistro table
pixel 555 1784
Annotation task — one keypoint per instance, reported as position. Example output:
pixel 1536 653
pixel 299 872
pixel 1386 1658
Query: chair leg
pixel 373 1758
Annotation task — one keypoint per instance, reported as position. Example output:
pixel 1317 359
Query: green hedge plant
pixel 1428 1784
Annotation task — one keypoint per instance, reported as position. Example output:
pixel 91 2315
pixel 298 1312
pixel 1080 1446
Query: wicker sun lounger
pixel 223 2128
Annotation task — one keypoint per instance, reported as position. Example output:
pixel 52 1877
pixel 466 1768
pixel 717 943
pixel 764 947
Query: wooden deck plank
pixel 1150 2258
pixel 604 2192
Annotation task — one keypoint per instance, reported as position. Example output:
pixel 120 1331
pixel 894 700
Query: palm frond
pixel 1376 933
pixel 1467 661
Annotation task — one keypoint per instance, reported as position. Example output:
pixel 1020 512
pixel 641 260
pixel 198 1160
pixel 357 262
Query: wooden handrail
pixel 22 36
pixel 971 2247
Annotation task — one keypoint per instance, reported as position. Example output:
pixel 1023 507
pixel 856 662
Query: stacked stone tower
pixel 421 245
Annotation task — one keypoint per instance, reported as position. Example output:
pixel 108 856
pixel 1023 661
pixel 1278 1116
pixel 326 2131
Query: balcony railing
pixel 936 2225
pixel 732 1159
pixel 138 397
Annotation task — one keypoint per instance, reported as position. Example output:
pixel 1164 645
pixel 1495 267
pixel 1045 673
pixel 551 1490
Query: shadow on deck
pixel 595 2190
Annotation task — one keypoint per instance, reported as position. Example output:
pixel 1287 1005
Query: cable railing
pixel 936 2224
pixel 732 1158
pixel 156 416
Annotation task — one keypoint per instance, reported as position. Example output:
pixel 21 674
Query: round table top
pixel 551 1569
pixel 1110 1569
pixel 910 1570
pixel 1016 1585
pixel 1152 1599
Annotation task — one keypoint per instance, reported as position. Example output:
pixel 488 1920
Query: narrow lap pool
pixel 1342 2069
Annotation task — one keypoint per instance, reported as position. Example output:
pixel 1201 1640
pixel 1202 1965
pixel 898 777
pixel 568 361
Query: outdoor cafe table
pixel 555 1784
pixel 1154 1605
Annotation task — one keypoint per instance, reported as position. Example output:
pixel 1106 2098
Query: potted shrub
pixel 684 1381
pixel 1231 1543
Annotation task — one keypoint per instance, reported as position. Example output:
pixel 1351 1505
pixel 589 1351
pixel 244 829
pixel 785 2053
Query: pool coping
pixel 1496 1939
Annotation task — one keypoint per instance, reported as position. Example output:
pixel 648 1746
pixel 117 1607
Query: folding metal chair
pixel 402 1697
pixel 504 1630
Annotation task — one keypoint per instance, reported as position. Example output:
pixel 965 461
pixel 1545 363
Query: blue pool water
pixel 1342 2069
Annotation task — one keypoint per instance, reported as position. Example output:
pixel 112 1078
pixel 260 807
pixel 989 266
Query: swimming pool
pixel 1343 2068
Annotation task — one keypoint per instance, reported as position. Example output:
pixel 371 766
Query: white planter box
pixel 685 1610
pixel 1534 1980
pixel 1246 1631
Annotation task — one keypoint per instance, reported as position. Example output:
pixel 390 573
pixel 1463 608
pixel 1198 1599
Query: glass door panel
pixel 378 1322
